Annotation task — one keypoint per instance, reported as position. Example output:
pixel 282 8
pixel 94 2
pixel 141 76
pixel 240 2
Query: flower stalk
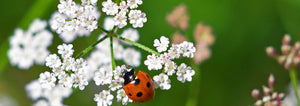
pixel 91 47
pixel 112 53
pixel 294 79
pixel 195 86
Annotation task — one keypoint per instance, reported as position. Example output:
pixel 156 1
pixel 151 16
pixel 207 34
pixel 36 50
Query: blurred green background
pixel 243 28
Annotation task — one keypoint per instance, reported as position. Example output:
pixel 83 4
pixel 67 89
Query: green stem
pixel 195 86
pixel 138 45
pixel 91 47
pixel 294 79
pixel 112 53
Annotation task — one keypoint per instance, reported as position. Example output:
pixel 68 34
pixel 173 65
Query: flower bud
pixel 274 95
pixel 281 59
pixel 296 45
pixel 258 103
pixel 285 49
pixel 266 99
pixel 286 39
pixel 271 52
pixel 274 103
pixel 266 90
pixel 255 93
pixel 280 96
pixel 271 81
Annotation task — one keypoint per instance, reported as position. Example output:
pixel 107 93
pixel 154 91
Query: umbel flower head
pixel 120 12
pixel 74 20
pixel 290 56
pixel 66 71
pixel 29 47
pixel 179 17
pixel 268 97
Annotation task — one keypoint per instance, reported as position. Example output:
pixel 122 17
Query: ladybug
pixel 139 88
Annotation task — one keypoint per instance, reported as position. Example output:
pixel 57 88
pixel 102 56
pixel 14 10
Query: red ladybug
pixel 139 88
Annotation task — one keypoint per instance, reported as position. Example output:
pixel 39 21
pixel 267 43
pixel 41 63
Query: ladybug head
pixel 128 75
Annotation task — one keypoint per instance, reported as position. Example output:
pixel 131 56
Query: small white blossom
pixel 65 50
pixel 162 81
pixel 115 85
pixel 153 62
pixel 103 76
pixel 120 19
pixel 89 23
pixel 68 63
pixel 79 80
pixel 134 3
pixel 108 23
pixel 162 44
pixel 65 80
pixel 41 103
pixel 67 7
pixel 47 80
pixel 137 18
pixel 174 51
pixel 109 7
pixel 121 96
pixel 184 73
pixel 34 89
pixel 118 50
pixel 187 49
pixel 118 72
pixel 123 6
pixel 104 98
pixel 170 67
pixel 131 34
pixel 89 2
pixel 131 57
pixel 165 57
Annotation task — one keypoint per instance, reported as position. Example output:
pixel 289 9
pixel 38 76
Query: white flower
pixel 68 36
pixel 55 96
pixel 57 21
pixel 109 23
pixel 89 2
pixel 34 89
pixel 90 23
pixel 134 3
pixel 41 103
pixel 115 84
pixel 153 62
pixel 184 73
pixel 118 50
pixel 162 81
pixel 123 6
pixel 104 98
pixel 170 67
pixel 79 80
pixel 131 57
pixel 27 48
pixel 68 63
pixel 103 76
pixel 121 96
pixel 165 57
pixel 47 80
pixel 80 66
pixel 67 7
pixel 53 61
pixel 65 50
pixel 118 72
pixel 65 80
pixel 131 34
pixel 187 49
pixel 162 44
pixel 120 19
pixel 109 7
pixel 137 18
pixel 174 51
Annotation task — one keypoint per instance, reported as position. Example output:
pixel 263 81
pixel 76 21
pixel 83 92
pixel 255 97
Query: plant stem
pixel 294 79
pixel 91 47
pixel 112 53
pixel 138 45
pixel 195 85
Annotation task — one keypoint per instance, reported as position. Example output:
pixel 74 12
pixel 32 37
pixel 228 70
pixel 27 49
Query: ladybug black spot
pixel 129 94
pixel 136 82
pixel 148 84
pixel 139 94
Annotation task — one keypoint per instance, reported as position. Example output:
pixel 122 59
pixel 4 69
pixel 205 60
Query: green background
pixel 243 28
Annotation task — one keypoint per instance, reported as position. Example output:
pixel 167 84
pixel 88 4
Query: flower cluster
pixel 29 47
pixel 68 72
pixel 42 96
pixel 114 80
pixel 270 98
pixel 120 12
pixel 179 17
pixel 74 19
pixel 290 54
pixel 176 51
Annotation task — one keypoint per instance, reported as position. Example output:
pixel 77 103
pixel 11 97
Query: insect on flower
pixel 139 88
